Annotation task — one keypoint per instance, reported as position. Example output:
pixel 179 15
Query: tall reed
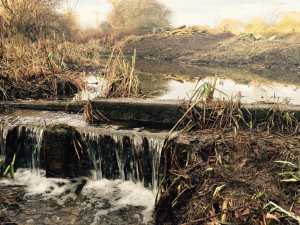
pixel 120 78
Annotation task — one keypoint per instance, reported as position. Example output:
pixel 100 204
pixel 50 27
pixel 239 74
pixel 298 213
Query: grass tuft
pixel 121 80
pixel 91 115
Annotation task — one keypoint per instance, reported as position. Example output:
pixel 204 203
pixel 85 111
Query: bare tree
pixel 139 16
pixel 31 18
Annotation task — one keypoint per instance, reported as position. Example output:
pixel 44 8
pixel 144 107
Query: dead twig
pixel 91 115
pixel 226 211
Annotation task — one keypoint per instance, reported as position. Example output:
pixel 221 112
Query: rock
pixel 272 38
pixel 56 148
pixel 181 27
pixel 257 37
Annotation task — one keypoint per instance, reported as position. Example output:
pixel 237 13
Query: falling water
pixel 122 163
pixel 127 155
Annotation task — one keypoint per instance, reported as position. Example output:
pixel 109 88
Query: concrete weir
pixel 143 111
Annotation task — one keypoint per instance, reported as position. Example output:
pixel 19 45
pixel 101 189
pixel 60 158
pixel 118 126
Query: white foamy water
pixel 95 85
pixel 94 195
pixel 39 184
pixel 120 194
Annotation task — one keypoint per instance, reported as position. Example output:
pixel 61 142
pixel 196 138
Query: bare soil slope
pixel 219 49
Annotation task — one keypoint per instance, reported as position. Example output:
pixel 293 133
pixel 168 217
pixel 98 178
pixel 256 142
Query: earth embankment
pixel 278 52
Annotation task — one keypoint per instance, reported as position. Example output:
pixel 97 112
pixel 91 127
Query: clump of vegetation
pixel 120 78
pixel 91 115
pixel 277 120
pixel 212 149
pixel 203 111
pixel 40 55
pixel 34 70
pixel 11 169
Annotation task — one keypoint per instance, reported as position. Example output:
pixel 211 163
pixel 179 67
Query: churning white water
pixel 126 198
pixel 93 198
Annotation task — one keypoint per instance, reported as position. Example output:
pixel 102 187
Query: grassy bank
pixel 46 68
pixel 220 167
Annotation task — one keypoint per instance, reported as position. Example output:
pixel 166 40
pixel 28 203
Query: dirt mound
pixel 172 48
pixel 237 178
pixel 219 50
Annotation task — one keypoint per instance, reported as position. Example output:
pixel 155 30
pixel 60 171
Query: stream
pixel 117 180
pixel 119 189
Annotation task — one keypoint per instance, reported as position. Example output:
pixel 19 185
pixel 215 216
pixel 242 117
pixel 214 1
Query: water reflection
pixel 252 87
pixel 173 81
pixel 253 92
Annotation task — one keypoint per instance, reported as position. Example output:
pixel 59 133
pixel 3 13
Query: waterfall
pixel 23 140
pixel 113 152
pixel 126 155
pixel 117 171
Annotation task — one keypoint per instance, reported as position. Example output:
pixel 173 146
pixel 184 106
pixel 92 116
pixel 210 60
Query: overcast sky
pixel 195 12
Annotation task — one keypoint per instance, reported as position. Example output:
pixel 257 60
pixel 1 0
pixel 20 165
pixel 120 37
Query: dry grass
pixel 45 68
pixel 48 67
pixel 34 69
pixel 203 111
pixel 279 121
pixel 91 115
pixel 120 77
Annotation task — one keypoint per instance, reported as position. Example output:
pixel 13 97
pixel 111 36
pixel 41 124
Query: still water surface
pixel 174 81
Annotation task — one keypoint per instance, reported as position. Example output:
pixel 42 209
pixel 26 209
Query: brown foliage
pixel 28 18
pixel 139 16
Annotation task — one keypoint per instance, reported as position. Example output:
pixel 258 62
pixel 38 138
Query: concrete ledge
pixel 145 111
pixel 140 110
pixel 44 105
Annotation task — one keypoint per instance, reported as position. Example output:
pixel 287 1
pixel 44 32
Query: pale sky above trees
pixel 196 12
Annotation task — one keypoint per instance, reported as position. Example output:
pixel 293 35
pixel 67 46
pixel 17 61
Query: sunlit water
pixel 226 88
pixel 164 86
pixel 94 88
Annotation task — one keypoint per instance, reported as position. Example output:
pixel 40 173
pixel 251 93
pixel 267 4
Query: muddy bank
pixel 219 50
pixel 213 175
